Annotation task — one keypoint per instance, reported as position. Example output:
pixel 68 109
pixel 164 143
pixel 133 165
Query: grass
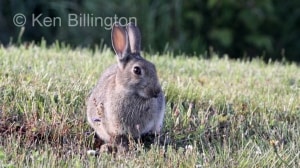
pixel 219 113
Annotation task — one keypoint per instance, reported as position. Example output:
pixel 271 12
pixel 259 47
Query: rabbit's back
pixel 95 102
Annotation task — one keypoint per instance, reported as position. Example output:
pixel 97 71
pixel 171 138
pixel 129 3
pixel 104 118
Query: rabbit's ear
pixel 119 40
pixel 134 36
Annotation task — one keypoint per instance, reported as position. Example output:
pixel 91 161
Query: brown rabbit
pixel 128 99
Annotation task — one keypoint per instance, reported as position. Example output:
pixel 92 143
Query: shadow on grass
pixel 33 134
pixel 188 123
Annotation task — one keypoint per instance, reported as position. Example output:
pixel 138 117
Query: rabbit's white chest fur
pixel 130 114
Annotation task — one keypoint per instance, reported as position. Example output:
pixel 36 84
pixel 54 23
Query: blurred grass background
pixel 241 29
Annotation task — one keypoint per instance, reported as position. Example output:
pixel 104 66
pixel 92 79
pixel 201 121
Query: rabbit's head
pixel 134 74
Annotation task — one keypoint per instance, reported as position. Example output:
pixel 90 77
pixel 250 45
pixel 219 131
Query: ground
pixel 219 112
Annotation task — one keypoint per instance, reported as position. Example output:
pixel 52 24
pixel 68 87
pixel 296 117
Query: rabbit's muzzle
pixel 150 92
pixel 156 93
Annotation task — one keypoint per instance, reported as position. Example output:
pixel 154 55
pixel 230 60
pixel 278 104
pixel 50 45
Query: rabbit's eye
pixel 137 70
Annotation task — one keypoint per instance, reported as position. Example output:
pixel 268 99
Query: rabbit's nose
pixel 156 93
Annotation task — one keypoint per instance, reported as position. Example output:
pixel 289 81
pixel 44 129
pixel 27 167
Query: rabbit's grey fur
pixel 124 102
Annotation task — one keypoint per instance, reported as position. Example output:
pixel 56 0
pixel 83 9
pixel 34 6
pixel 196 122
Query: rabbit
pixel 128 98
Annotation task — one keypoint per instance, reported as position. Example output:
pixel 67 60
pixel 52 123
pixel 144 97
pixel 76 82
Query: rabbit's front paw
pixel 108 148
